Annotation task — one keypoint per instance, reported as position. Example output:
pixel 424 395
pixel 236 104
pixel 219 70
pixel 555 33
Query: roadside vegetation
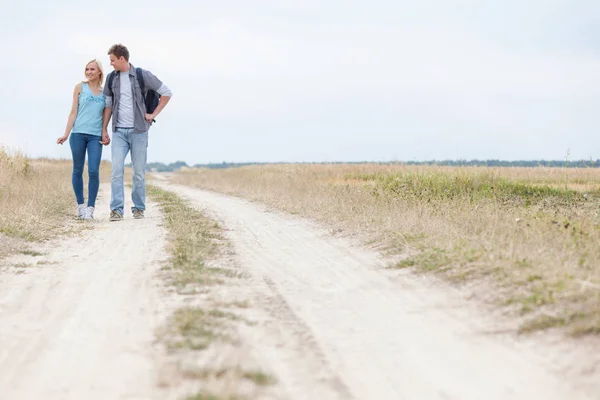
pixel 37 202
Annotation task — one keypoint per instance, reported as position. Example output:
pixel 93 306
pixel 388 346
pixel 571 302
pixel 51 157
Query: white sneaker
pixel 81 211
pixel 89 213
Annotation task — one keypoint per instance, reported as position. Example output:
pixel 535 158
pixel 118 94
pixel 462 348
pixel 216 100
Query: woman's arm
pixel 72 114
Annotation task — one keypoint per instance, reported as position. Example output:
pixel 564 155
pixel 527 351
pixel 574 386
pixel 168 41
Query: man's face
pixel 119 64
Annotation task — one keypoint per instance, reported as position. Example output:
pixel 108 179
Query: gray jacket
pixel 139 109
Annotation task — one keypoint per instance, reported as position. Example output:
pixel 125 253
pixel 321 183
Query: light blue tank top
pixel 89 112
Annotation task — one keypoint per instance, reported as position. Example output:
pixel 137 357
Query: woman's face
pixel 92 72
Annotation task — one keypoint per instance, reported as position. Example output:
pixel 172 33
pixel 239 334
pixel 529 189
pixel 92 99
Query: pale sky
pixel 327 80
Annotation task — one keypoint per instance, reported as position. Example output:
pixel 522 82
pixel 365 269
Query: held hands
pixel 62 139
pixel 105 138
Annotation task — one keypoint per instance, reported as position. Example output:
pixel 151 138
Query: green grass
pixel 195 328
pixel 443 187
pixel 18 232
pixel 23 265
pixel 193 238
pixel 32 253
pixel 259 378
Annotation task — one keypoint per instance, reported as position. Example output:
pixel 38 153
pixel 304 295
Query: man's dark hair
pixel 119 51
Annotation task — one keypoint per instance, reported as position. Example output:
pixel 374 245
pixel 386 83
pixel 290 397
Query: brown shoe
pixel 138 214
pixel 115 216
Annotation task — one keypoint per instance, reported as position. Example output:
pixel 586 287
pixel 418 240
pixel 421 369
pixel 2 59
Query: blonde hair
pixel 99 64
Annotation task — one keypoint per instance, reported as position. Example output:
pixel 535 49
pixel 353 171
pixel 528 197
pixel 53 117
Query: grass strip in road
pixel 194 241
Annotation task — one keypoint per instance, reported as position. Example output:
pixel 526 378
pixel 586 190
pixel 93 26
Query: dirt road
pixel 331 322
pixel 79 325
pixel 389 335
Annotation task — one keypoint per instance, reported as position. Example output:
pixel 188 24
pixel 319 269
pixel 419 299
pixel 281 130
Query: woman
pixel 85 128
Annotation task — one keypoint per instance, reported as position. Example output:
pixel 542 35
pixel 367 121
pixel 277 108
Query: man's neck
pixel 127 68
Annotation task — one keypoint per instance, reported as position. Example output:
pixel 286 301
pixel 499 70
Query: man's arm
pixel 152 82
pixel 162 102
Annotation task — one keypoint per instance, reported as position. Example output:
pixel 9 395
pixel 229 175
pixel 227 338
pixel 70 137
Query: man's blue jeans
pixel 124 141
pixel 80 143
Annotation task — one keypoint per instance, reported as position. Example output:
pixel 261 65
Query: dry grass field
pixel 36 200
pixel 525 239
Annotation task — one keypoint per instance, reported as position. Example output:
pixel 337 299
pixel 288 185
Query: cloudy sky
pixel 326 80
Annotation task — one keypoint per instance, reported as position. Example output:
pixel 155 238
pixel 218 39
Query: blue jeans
pixel 80 142
pixel 124 141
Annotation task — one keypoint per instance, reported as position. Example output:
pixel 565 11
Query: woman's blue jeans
pixel 80 144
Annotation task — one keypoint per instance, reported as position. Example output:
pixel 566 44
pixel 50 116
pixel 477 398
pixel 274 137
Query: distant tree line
pixel 161 167
pixel 175 166
pixel 519 163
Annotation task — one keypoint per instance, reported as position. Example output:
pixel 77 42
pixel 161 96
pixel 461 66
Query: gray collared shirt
pixel 113 97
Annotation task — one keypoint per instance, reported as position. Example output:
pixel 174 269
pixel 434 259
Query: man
pixel 130 126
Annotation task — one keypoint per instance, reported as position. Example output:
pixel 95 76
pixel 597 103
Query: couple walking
pixel 133 97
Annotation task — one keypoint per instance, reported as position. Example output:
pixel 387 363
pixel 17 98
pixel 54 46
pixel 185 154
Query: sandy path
pixel 82 326
pixel 382 336
pixel 329 323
